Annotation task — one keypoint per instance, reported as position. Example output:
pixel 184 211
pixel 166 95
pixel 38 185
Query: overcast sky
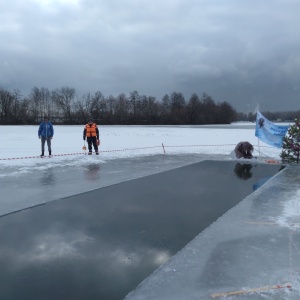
pixel 245 52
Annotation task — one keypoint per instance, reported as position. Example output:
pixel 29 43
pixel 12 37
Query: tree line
pixel 64 106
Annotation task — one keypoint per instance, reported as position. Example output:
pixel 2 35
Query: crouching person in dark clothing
pixel 91 133
pixel 244 150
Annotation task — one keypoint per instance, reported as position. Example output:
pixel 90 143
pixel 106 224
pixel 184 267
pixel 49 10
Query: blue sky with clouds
pixel 245 52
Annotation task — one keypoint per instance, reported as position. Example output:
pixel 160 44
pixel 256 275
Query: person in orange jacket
pixel 91 134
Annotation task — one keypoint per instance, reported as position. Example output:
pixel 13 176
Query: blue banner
pixel 269 132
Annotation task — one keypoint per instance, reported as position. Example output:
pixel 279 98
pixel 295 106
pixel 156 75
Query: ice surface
pixel 254 244
pixel 50 180
pixel 27 180
pixel 117 235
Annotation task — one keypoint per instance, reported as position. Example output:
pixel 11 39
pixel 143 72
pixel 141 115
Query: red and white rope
pixel 120 150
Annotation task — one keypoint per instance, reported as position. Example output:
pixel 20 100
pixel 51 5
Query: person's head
pixel 90 121
pixel 45 119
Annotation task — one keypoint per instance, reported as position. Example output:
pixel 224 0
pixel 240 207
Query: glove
pixel 97 137
pixel 84 138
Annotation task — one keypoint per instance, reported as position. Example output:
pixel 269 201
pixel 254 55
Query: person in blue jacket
pixel 46 133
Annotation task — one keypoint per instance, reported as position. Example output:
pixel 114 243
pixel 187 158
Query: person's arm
pixel 97 132
pixel 52 131
pixel 84 133
pixel 40 131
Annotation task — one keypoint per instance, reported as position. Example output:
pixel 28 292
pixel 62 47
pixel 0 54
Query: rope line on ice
pixel 120 150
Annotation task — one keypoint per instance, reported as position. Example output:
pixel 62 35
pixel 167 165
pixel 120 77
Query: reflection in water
pixel 48 177
pixel 92 171
pixel 243 171
pixel 260 182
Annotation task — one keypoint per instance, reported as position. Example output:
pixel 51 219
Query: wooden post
pixel 163 148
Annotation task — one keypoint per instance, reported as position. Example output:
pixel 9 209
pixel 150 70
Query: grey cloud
pixel 240 52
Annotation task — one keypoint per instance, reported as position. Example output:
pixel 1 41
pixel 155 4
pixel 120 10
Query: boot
pixel 97 153
pixel 49 152
pixel 42 154
pixel 90 153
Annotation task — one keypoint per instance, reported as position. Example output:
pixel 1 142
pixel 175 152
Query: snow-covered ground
pixel 20 144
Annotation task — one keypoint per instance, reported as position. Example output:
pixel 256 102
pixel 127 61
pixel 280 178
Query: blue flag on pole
pixel 269 132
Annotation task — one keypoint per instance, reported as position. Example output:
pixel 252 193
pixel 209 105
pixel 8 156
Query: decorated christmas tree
pixel 291 144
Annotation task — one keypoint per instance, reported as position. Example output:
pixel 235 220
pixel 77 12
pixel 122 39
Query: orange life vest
pixel 91 130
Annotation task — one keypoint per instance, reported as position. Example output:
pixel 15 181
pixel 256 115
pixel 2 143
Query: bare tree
pixel 194 110
pixel 225 113
pixel 6 106
pixel 209 109
pixel 152 110
pixel 177 102
pixel 122 109
pixel 165 109
pixel 83 108
pixel 134 100
pixel 98 106
pixel 64 99
pixel 111 109
pixel 35 104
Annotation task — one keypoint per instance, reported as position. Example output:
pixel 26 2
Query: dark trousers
pixel 43 141
pixel 92 141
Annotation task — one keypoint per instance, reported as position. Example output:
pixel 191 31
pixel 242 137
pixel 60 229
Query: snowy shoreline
pixel 116 141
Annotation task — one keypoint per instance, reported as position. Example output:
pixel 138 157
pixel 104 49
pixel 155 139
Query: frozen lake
pixel 30 180
pixel 101 244
pixel 117 216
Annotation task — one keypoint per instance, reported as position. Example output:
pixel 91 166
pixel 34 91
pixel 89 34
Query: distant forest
pixel 64 106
